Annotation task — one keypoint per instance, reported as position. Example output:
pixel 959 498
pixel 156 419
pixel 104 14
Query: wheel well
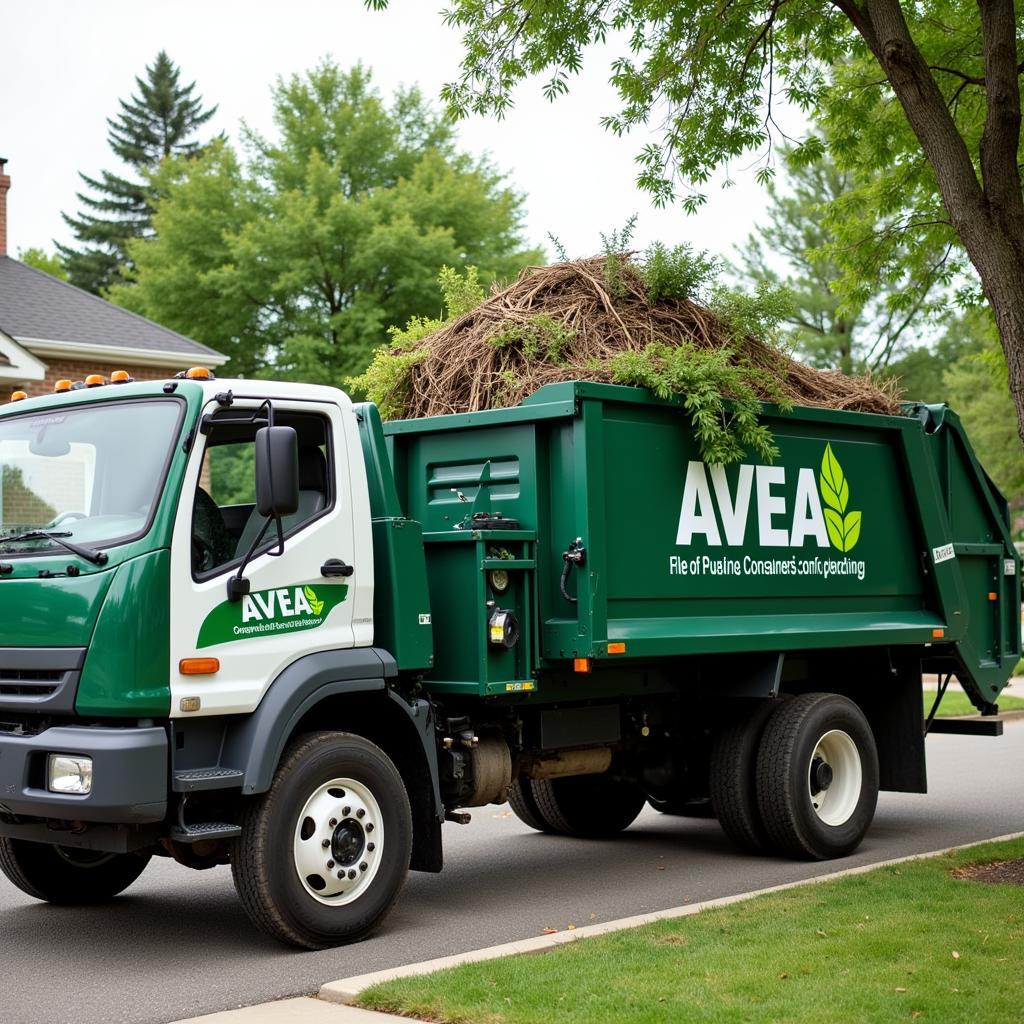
pixel 381 719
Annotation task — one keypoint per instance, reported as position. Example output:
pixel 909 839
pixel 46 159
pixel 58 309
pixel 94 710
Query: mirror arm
pixel 238 585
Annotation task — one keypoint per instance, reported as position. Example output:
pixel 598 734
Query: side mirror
pixel 277 471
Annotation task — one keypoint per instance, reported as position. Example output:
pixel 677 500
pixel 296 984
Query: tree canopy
pixel 160 121
pixel 296 256
pixel 926 96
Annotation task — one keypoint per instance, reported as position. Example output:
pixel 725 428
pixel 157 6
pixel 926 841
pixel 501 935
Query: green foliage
pixel 542 337
pixel 296 259
pixel 975 385
pixel 615 246
pixel 851 334
pixel 677 273
pixel 716 390
pixel 159 122
pixel 46 262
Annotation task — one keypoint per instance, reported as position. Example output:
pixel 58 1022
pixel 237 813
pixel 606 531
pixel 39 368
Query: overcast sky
pixel 66 63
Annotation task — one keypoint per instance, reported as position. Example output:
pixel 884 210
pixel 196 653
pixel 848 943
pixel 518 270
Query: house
pixel 51 330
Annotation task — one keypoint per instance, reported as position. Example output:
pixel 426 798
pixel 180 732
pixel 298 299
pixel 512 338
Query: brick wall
pixel 59 369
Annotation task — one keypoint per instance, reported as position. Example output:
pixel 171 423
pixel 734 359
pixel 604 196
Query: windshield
pixel 91 473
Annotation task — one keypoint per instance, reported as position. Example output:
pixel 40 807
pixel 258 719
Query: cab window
pixel 224 518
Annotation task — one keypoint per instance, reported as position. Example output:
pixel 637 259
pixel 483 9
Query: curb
pixel 333 1003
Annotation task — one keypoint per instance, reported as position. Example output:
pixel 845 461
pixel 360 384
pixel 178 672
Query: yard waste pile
pixel 604 319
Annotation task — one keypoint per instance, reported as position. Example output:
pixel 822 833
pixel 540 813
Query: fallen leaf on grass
pixel 900 989
pixel 915 1014
pixel 956 955
pixel 783 974
pixel 821 933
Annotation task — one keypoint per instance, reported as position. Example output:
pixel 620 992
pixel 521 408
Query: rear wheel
pixel 817 776
pixel 589 806
pixel 733 777
pixel 66 875
pixel 324 853
pixel 520 799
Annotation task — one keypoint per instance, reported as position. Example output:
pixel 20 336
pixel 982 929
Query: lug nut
pixel 362 867
pixel 341 874
pixel 352 873
pixel 369 826
pixel 333 822
pixel 326 843
pixel 360 813
pixel 330 864
pixel 370 847
pixel 346 811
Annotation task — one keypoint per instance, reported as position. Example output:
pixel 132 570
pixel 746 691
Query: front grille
pixel 37 679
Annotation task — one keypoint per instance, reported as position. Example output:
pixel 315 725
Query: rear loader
pixel 245 623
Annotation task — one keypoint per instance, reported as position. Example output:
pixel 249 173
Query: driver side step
pixel 204 831
pixel 190 780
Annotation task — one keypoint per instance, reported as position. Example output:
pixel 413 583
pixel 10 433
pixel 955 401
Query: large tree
pixel 707 79
pixel 161 120
pixel 297 257
pixel 794 247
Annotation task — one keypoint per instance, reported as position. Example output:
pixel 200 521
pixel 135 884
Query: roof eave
pixel 121 353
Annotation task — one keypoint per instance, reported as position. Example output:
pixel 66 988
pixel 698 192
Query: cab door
pixel 292 608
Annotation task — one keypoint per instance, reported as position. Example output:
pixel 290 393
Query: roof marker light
pixel 95 380
pixel 121 377
pixel 19 396
pixel 62 385
pixel 199 373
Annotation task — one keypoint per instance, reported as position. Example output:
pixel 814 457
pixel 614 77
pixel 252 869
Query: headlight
pixel 67 773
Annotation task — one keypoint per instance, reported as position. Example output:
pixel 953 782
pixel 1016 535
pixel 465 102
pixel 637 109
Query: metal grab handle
pixel 336 567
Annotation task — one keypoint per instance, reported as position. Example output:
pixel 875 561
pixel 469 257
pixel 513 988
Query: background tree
pixel 160 121
pixel 711 75
pixel 297 259
pixel 49 263
pixel 794 248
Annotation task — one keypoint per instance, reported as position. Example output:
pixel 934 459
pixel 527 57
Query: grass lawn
pixel 908 942
pixel 956 703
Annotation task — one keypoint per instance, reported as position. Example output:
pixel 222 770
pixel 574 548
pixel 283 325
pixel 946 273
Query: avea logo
pixel 820 516
pixel 285 603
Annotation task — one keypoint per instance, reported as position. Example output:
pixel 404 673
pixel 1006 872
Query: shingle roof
pixel 34 304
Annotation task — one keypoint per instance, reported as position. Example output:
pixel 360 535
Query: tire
pixel 733 779
pixel 823 740
pixel 684 807
pixel 332 788
pixel 587 806
pixel 68 876
pixel 520 799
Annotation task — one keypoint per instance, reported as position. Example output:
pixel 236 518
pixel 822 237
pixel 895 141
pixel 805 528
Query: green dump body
pixel 866 531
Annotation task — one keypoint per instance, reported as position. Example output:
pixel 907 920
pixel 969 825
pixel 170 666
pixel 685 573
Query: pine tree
pixel 160 121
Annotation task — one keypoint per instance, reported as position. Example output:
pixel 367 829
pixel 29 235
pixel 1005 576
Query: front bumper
pixel 129 781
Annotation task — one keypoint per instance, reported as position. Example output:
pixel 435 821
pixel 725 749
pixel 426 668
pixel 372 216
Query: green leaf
pixel 834 525
pixel 316 605
pixel 835 491
pixel 851 530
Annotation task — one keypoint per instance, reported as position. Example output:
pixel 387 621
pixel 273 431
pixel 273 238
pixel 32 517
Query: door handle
pixel 336 567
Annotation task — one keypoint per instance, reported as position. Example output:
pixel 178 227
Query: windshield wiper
pixel 89 554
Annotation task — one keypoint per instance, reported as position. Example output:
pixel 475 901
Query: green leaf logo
pixel 316 605
pixel 843 527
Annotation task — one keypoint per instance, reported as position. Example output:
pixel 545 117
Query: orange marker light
pixel 199 373
pixel 95 380
pixel 938 634
pixel 993 596
pixel 581 665
pixel 62 385
pixel 617 648
pixel 19 396
pixel 198 666
pixel 121 377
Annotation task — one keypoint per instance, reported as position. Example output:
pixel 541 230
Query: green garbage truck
pixel 247 623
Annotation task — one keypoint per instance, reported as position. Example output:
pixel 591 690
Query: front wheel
pixel 66 875
pixel 324 853
pixel 817 776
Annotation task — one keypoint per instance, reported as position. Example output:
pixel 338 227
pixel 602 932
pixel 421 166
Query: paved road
pixel 178 944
